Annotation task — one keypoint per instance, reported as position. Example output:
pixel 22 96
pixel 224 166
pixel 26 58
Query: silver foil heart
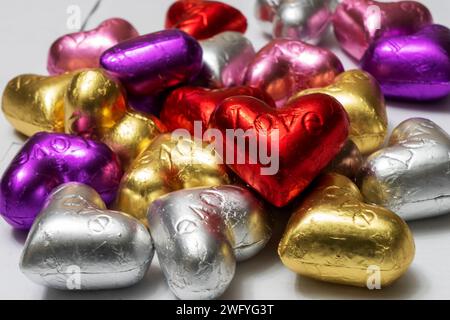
pixel 306 20
pixel 198 232
pixel 225 59
pixel 75 243
pixel 412 175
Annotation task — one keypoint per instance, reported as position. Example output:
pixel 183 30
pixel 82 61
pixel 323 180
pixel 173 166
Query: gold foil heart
pixel 334 236
pixel 33 103
pixel 170 163
pixel 94 103
pixel 87 103
pixel 361 96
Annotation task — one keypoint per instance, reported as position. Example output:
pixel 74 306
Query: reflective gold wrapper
pixel 170 163
pixel 334 236
pixel 94 103
pixel 33 103
pixel 361 96
pixel 132 134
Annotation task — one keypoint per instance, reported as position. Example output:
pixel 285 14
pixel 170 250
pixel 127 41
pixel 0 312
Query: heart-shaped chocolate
pixel 131 135
pixel 204 19
pixel 76 243
pixel 412 175
pixel 415 67
pixel 361 96
pixel 48 160
pixel 359 23
pixel 194 248
pixel 94 102
pixel 284 67
pixel 304 20
pixel 186 105
pixel 154 62
pixel 226 57
pixel 33 103
pixel 171 162
pixel 83 49
pixel 334 236
pixel 194 230
pixel 301 139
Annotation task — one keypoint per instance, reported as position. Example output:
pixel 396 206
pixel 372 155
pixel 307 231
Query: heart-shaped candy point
pixel 33 103
pixel 171 162
pixel 361 96
pixel 278 152
pixel 76 244
pixel 196 232
pixel 284 67
pixel 204 19
pixel 48 160
pixel 225 59
pixel 151 63
pixel 94 103
pixel 83 49
pixel 334 236
pixel 186 105
pixel 359 23
pixel 415 67
pixel 411 176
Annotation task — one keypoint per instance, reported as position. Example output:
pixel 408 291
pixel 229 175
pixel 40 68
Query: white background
pixel 27 28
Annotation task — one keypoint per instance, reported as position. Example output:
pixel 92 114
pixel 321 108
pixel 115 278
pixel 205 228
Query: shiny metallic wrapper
pixel 76 244
pixel 411 176
pixel 225 59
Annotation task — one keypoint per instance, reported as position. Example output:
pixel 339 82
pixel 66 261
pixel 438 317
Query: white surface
pixel 27 28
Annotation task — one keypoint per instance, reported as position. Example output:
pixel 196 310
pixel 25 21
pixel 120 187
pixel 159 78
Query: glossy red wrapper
pixel 205 19
pixel 311 131
pixel 188 104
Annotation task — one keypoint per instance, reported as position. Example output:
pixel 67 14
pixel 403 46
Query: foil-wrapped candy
pixel 171 162
pixel 359 23
pixel 77 244
pixel 411 175
pixel 306 20
pixel 284 67
pixel 48 160
pixel 348 162
pixel 362 98
pixel 154 62
pixel 334 236
pixel 225 59
pixel 83 49
pixel 414 67
pixel 200 232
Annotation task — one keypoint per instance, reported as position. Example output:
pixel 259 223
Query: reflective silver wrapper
pixel 225 59
pixel 265 12
pixel 199 232
pixel 306 20
pixel 76 244
pixel 412 175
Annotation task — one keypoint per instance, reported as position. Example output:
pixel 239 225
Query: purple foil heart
pixel 415 67
pixel 48 160
pixel 149 64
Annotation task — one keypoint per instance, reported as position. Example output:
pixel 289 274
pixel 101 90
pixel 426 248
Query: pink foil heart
pixel 285 67
pixel 359 23
pixel 83 49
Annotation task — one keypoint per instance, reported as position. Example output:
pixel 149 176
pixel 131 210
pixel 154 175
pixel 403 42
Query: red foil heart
pixel 205 19
pixel 188 104
pixel 312 130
